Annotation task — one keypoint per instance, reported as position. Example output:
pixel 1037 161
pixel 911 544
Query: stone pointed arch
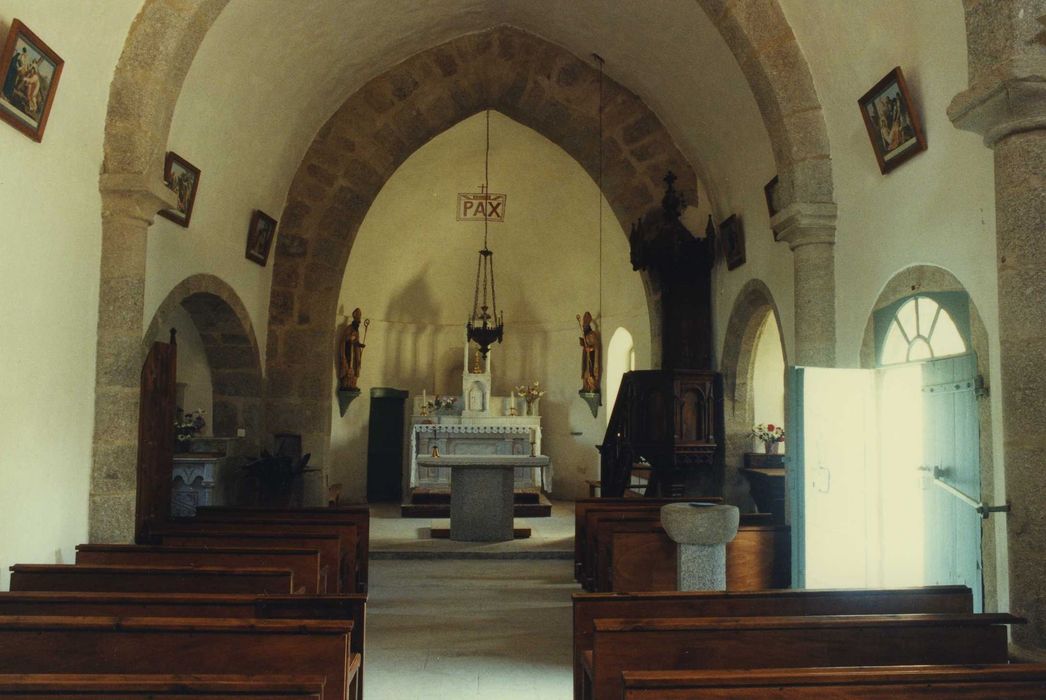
pixel 231 347
pixel 751 307
pixel 526 78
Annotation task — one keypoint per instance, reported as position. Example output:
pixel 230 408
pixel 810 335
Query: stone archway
pixel 537 84
pixel 231 348
pixel 160 47
pixel 751 307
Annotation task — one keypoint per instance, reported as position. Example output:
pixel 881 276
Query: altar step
pixel 427 502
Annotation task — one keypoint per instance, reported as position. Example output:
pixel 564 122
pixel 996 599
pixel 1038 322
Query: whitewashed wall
pixel 412 272
pixel 50 235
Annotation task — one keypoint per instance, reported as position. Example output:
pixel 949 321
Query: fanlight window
pixel 921 330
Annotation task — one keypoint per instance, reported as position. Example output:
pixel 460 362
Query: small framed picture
pixel 770 194
pixel 31 72
pixel 893 125
pixel 733 241
pixel 182 178
pixel 259 237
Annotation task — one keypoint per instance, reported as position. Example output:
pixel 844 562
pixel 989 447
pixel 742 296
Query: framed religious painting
pixel 31 71
pixel 893 124
pixel 259 237
pixel 182 178
pixel 732 238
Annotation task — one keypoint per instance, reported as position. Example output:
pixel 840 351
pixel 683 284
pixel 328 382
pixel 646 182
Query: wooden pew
pixel 985 682
pixel 781 642
pixel 328 545
pixel 175 579
pixel 144 687
pixel 345 530
pixel 638 555
pixel 590 606
pixel 304 564
pixel 358 515
pixel 78 645
pixel 199 605
pixel 584 506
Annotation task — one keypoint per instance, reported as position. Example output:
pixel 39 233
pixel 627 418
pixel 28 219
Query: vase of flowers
pixel 186 426
pixel 770 435
pixel 531 395
pixel 444 404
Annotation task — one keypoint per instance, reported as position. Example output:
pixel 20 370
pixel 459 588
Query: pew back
pixel 990 682
pixel 782 642
pixel 304 564
pixel 584 506
pixel 328 545
pixel 164 645
pixel 640 556
pixel 590 606
pixel 144 687
pixel 358 515
pixel 345 530
pixel 67 577
pixel 197 605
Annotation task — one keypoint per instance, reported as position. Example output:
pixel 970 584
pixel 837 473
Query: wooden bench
pixel 590 606
pixel 142 687
pixel 168 645
pixel 780 642
pixel 328 545
pixel 358 515
pixel 200 605
pixel 159 579
pixel 638 555
pixel 304 564
pixel 986 682
pixel 346 531
pixel 585 505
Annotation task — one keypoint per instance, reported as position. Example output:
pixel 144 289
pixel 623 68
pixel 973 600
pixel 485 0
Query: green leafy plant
pixel 276 474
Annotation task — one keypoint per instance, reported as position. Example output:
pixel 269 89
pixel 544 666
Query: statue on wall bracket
pixel 591 342
pixel 350 357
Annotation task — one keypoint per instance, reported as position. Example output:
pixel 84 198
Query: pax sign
pixel 480 206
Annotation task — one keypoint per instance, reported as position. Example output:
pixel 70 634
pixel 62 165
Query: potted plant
pixel 277 479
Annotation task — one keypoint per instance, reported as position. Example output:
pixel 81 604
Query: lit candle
pixel 424 398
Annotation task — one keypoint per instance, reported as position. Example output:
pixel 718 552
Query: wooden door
pixel 385 445
pixel 951 448
pixel 156 411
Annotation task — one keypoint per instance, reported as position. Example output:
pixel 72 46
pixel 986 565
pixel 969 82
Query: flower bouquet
pixel 770 435
pixel 530 394
pixel 186 426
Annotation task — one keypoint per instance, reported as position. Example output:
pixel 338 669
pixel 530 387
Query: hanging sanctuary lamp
pixel 591 338
pixel 485 325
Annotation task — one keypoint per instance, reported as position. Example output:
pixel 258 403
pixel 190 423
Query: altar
pixel 481 505
pixel 476 423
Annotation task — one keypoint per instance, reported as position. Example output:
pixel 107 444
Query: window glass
pixel 921 330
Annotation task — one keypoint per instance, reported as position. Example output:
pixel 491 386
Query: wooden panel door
pixel 951 447
pixel 156 411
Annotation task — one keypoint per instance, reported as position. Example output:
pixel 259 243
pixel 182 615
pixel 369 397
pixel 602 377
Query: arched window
pixel 621 358
pixel 921 327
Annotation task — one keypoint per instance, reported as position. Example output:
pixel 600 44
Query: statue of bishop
pixel 591 354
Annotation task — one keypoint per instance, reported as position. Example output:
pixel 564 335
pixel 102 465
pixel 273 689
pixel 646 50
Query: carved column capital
pixel 805 223
pixel 134 196
pixel 1010 100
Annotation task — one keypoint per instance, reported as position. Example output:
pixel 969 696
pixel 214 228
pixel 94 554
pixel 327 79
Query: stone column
pixel 701 532
pixel 1006 104
pixel 809 230
pixel 129 205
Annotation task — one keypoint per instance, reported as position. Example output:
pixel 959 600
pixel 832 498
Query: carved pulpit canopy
pixel 660 241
